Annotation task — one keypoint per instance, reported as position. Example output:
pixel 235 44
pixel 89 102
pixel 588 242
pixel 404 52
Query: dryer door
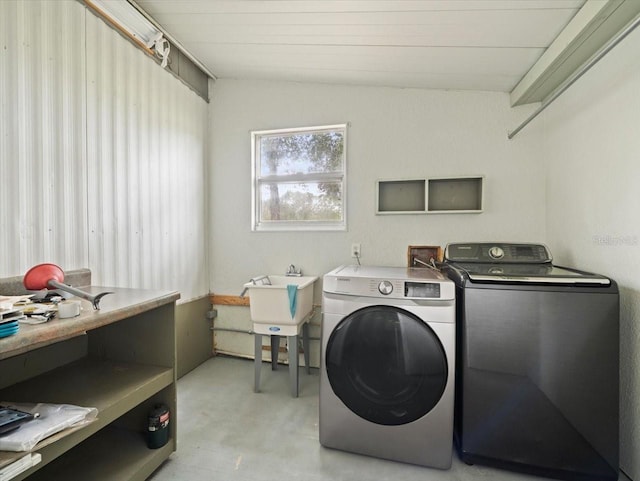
pixel 386 365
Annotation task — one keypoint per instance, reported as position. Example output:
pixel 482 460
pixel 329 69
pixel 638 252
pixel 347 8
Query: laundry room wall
pixel 43 211
pixel 146 170
pixel 102 155
pixel 591 146
pixel 102 159
pixel 393 134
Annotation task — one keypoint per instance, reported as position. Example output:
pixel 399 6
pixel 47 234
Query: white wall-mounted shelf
pixel 440 195
pixel 455 195
pixel 401 196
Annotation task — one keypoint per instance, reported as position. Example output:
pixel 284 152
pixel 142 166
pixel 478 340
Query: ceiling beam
pixel 592 27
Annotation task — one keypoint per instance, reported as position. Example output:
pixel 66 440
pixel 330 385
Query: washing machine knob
pixel 496 252
pixel 385 288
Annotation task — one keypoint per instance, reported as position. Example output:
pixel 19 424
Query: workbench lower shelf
pixel 113 454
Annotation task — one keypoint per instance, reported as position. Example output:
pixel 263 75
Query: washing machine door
pixel 386 365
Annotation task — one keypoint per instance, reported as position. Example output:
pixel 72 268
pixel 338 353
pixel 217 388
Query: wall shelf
pixel 401 196
pixel 441 195
pixel 459 195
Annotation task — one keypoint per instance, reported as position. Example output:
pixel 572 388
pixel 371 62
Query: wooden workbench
pixel 121 360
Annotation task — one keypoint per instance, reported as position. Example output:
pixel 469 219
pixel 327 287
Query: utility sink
pixel 270 301
pixel 280 306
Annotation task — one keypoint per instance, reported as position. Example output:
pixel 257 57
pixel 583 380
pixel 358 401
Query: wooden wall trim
pixel 220 300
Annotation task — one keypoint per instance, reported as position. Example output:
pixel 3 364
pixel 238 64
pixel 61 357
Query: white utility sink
pixel 271 300
pixel 270 303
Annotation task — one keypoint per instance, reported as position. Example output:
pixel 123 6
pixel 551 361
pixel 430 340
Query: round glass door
pixel 386 365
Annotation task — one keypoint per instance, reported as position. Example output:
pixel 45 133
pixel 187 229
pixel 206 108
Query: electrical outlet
pixel 355 250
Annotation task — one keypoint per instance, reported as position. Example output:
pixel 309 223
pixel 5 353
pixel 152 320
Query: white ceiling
pixel 435 44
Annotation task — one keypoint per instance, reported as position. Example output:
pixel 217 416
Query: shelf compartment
pixel 401 196
pixel 113 454
pixel 112 387
pixel 455 195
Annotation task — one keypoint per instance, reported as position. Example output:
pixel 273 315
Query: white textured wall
pixel 102 154
pixel 393 133
pixel 592 152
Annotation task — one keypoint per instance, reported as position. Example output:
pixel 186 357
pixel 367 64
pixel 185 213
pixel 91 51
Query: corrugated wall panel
pixel 102 155
pixel 146 164
pixel 42 93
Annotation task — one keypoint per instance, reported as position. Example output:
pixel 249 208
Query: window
pixel 299 178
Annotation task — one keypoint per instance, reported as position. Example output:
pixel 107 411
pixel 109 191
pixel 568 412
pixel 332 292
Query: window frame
pixel 259 225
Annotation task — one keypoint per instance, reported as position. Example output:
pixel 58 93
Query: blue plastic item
pixel 292 290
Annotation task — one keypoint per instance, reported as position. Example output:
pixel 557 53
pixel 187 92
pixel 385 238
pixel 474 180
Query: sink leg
pixel 293 364
pixel 257 364
pixel 305 346
pixel 275 348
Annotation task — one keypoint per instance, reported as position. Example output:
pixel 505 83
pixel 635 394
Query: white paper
pixel 52 418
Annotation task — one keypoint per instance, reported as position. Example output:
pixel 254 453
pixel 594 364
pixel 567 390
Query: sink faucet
pixel 256 281
pixel 292 272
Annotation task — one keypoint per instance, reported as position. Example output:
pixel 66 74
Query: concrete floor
pixel 226 431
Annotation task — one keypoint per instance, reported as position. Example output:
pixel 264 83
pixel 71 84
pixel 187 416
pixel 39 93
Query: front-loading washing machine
pixel 387 367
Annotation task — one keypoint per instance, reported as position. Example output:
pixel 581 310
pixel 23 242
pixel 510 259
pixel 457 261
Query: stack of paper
pixel 7 315
pixel 10 471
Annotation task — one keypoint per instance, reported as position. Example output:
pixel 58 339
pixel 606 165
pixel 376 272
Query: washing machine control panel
pixel 423 290
pixel 389 283
pixel 498 253
pixel 405 289
pixel 385 288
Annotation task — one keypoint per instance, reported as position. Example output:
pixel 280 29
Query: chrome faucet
pixel 292 272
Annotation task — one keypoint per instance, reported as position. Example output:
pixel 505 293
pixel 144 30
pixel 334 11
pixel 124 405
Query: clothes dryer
pixel 387 367
pixel 538 361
